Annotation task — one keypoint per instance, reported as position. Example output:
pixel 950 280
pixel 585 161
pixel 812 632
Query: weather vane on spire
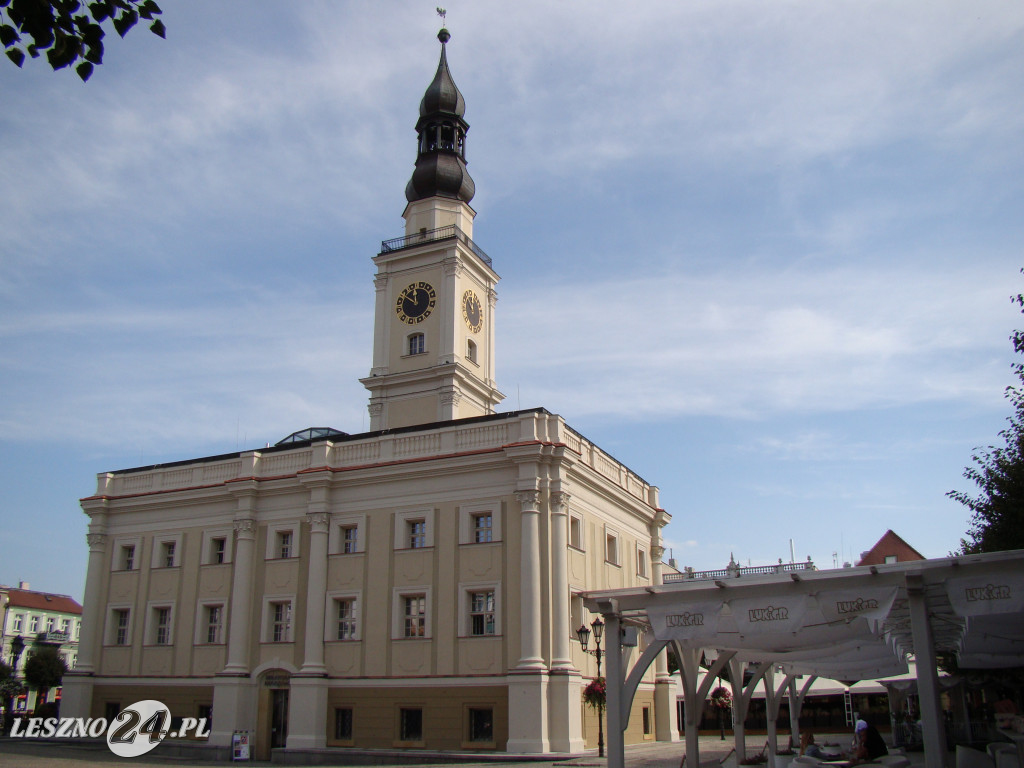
pixel 442 13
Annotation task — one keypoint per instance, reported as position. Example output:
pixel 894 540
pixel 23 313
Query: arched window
pixel 417 344
pixel 471 351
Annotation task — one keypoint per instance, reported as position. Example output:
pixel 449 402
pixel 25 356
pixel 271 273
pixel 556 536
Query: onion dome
pixel 441 139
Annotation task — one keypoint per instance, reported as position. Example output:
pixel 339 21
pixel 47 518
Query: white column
pixel 927 677
pixel 316 594
pixel 240 628
pixel 665 728
pixel 529 582
pixel 566 730
pixel 614 683
pixel 76 699
pixel 528 682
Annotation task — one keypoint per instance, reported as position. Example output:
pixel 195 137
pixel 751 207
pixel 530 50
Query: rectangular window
pixel 65 626
pixel 346 612
pixel 343 724
pixel 575 532
pixel 611 551
pixel 647 721
pixel 482 527
pixel 51 624
pixel 410 724
pixel 78 629
pixel 121 618
pixel 33 624
pixel 481 724
pixel 127 557
pixel 891 559
pixel 168 554
pixel 350 539
pixel 217 549
pixel 281 622
pixel 417 533
pixel 163 626
pixel 213 621
pixel 18 619
pixel 415 616
pixel 641 562
pixel 284 544
pixel 417 344
pixel 481 613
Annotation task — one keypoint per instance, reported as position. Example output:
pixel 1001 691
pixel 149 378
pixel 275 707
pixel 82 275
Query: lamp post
pixel 583 635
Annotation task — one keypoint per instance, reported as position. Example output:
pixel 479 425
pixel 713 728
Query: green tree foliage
pixel 45 669
pixel 69 30
pixel 997 522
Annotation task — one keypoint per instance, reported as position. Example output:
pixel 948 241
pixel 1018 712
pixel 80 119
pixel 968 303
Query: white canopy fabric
pixel 845 624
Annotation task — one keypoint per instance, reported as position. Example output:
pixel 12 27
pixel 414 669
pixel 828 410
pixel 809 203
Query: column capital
pixel 97 541
pixel 318 521
pixel 529 500
pixel 657 552
pixel 380 281
pixel 559 502
pixel 452 266
pixel 245 528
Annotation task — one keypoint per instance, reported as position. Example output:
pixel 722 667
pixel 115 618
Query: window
pixel 127 562
pixel 284 544
pixel 647 721
pixel 214 617
pixel 281 622
pixel 414 529
pixel 51 623
pixel 481 724
pixel 65 626
pixel 891 559
pixel 417 344
pixel 577 618
pixel 481 613
pixel 482 528
pixel 480 522
pixel 345 610
pixel 168 548
pixel 417 533
pixel 78 629
pixel 218 545
pixel 343 724
pixel 576 532
pixel 349 539
pixel 162 626
pixel 415 615
pixel 611 547
pixel 641 562
pixel 122 617
pixel 33 624
pixel 18 619
pixel 410 724
pixel 471 351
pixel 205 712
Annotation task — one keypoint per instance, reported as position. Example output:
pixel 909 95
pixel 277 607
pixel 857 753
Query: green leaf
pixel 8 35
pixel 94 53
pixel 16 55
pixel 84 71
pixel 125 22
pixel 151 7
pixel 100 10
pixel 158 28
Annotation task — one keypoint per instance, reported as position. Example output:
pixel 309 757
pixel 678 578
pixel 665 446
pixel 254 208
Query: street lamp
pixel 583 635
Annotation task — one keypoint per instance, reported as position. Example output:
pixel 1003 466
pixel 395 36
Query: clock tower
pixel 433 340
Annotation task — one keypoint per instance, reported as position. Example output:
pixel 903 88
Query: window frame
pixel 577 524
pixel 613 553
pixel 269 621
pixel 466 613
pixel 469 512
pixel 159 554
pixel 202 624
pixel 275 541
pixel 112 635
pixel 118 554
pixel 209 548
pixel 336 536
pixel 400 734
pixel 403 518
pixel 332 620
pixel 468 742
pixel 643 565
pixel 399 616
pixel 416 336
pixel 341 739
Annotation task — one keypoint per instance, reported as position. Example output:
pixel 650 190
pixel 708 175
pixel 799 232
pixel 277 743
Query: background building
pixel 415 586
pixel 34 619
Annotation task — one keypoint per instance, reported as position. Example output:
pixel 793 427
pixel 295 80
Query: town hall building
pixel 413 587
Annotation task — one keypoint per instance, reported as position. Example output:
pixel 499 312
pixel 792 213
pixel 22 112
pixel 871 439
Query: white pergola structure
pixel 846 624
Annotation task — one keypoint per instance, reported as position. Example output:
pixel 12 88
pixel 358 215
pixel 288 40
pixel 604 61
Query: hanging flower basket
pixel 720 698
pixel 594 693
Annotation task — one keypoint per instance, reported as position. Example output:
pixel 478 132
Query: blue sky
pixel 761 252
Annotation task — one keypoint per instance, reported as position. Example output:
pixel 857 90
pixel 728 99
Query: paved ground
pixel 24 754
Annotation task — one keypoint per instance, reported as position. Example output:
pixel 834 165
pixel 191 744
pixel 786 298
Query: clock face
pixel 471 311
pixel 415 303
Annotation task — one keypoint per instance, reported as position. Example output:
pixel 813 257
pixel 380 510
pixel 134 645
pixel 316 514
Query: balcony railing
pixel 736 572
pixel 433 235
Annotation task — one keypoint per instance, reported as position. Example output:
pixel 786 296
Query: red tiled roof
pixel 42 601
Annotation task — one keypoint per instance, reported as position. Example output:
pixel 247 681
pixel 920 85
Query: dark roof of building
pixel 42 601
pixel 442 95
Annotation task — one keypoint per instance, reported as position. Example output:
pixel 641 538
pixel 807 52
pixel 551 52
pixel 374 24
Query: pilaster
pixel 239 625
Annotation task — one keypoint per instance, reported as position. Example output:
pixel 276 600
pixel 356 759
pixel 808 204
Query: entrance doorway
pixel 278 718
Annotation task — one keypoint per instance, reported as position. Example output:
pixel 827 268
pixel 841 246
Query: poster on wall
pixel 240 745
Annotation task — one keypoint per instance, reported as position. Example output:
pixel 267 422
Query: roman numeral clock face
pixel 415 303
pixel 471 311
